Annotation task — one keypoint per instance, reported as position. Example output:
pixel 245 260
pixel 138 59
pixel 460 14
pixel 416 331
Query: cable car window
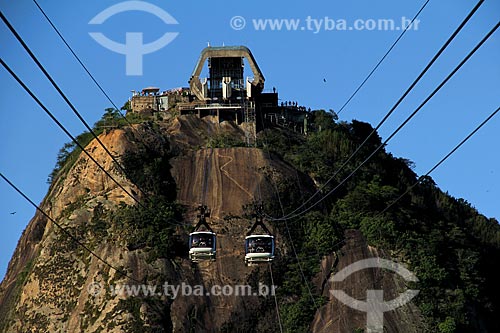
pixel 260 245
pixel 202 240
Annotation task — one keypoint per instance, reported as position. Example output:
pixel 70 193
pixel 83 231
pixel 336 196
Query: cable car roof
pixel 259 236
pixel 202 233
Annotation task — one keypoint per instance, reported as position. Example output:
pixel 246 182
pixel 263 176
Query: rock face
pixel 44 289
pixel 224 178
pixel 54 285
pixel 335 316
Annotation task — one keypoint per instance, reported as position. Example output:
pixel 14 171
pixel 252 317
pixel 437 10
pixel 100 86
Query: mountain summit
pixel 110 252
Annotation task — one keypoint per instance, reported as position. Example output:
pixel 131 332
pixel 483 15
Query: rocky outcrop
pixel 54 285
pixel 336 316
pixel 51 281
pixel 45 283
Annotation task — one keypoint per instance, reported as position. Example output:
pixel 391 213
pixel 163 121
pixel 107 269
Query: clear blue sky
pixel 296 62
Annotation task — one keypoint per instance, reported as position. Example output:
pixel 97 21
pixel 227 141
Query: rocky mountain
pixel 53 284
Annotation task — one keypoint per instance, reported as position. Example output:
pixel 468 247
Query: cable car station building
pixel 225 93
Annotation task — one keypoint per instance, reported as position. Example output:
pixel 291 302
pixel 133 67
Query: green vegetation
pixel 9 307
pixel 133 306
pixel 149 168
pixel 112 118
pixel 68 155
pixel 149 226
pixel 126 107
pixel 91 314
pixel 21 279
pixel 224 140
pixel 449 245
pixel 70 152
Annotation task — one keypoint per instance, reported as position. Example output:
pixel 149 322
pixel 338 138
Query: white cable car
pixel 259 248
pixel 202 244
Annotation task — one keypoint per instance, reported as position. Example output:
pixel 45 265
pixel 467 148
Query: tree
pixel 324 120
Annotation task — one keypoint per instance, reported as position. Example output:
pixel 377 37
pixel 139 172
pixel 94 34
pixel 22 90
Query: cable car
pixel 202 244
pixel 259 247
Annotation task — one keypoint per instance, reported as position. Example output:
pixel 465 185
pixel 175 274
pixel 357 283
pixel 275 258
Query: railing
pixel 197 106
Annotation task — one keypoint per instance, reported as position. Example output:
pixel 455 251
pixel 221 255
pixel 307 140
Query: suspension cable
pixel 441 161
pixel 73 238
pixel 61 126
pixel 384 119
pixel 488 35
pixel 72 107
pixel 381 59
pixel 275 186
pixel 275 298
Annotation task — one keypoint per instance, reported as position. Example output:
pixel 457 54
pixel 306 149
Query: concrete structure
pixel 226 68
pixel 226 93
pixel 150 100
pixel 146 100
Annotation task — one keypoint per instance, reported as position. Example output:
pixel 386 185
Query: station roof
pixel 151 89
